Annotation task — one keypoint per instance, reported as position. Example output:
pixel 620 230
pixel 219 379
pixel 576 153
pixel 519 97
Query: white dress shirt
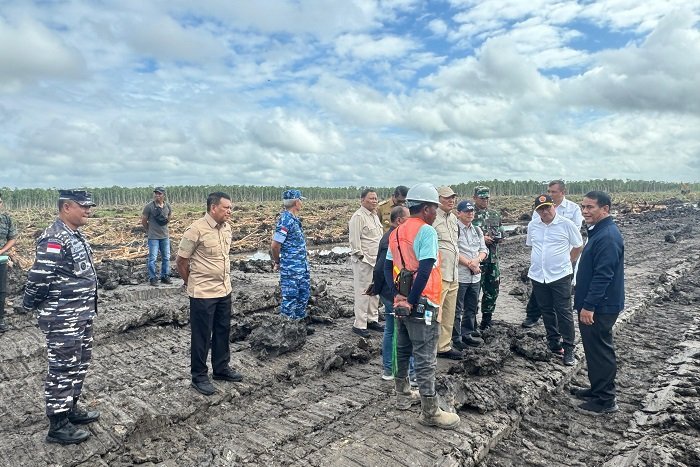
pixel 550 259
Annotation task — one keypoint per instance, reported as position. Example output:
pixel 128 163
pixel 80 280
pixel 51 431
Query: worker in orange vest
pixel 413 248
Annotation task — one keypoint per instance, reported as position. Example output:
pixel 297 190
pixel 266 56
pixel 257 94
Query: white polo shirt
pixel 568 209
pixel 551 244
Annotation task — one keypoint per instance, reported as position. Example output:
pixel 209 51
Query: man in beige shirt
pixel 448 233
pixel 365 232
pixel 203 263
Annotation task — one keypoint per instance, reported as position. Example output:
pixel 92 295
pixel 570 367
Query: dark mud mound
pixel 500 343
pixel 113 273
pixel 276 336
pixel 16 279
pixel 343 354
pixel 252 265
pixel 476 394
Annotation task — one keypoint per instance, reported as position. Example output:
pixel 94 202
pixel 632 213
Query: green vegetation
pixel 32 198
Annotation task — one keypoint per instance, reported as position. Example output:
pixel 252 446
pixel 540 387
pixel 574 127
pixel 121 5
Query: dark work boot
pixel 81 416
pixel 432 415
pixel 485 321
pixel 405 395
pixel 62 431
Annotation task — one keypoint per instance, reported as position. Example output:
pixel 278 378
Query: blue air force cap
pixel 81 197
pixel 292 194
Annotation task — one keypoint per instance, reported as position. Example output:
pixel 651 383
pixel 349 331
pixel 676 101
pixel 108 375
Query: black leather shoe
pixel 476 333
pixel 595 407
pixel 361 332
pixel 80 416
pixel 229 375
pixel 584 394
pixel 154 282
pixel 452 354
pixel 62 431
pixel 472 341
pixel 204 387
pixel 458 345
pixel 375 326
pixel 529 323
pixel 166 280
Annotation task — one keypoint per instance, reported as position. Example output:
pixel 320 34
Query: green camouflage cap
pixel 482 192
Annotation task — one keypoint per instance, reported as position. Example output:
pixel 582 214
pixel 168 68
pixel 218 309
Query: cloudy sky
pixel 347 92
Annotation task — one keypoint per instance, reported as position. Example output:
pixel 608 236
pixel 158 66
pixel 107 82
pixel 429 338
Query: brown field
pixel 318 400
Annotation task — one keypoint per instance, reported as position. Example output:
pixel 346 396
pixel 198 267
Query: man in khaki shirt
pixel 448 233
pixel 365 231
pixel 203 263
pixel 384 208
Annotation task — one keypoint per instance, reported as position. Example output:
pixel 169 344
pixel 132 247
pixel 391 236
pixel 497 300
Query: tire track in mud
pixel 286 412
pixel 658 386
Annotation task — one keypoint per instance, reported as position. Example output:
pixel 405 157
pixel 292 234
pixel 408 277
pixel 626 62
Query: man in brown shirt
pixel 365 231
pixel 203 263
pixel 384 208
pixel 447 229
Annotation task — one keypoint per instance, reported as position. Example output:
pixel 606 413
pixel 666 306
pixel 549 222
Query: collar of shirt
pixel 212 223
pixel 556 220
pixel 366 211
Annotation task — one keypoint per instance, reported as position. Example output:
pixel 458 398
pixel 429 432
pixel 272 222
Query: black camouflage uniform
pixel 62 286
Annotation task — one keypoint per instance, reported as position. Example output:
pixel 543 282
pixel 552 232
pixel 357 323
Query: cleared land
pixel 324 403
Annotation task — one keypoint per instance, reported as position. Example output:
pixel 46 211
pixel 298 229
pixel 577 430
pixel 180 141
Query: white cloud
pixel 239 92
pixel 29 51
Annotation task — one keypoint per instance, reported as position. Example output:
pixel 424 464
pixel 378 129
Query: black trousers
pixel 554 301
pixel 532 311
pixel 465 313
pixel 600 356
pixel 210 321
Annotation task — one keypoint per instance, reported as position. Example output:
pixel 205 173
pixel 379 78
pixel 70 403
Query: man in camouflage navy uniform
pixel 489 221
pixel 8 236
pixel 62 285
pixel 290 258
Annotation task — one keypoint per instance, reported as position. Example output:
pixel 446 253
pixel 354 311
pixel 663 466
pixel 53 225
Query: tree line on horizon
pixel 24 198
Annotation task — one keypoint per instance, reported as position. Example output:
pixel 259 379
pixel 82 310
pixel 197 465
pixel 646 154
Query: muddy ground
pixel 319 400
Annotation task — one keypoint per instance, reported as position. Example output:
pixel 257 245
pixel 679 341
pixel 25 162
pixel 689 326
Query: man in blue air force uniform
pixel 290 258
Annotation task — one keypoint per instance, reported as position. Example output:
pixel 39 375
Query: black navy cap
pixel 82 197
pixel 159 189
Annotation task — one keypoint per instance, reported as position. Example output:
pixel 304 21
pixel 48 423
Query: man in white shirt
pixel 556 243
pixel 565 208
pixel 365 231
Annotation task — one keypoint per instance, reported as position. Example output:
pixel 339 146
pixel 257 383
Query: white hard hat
pixel 422 193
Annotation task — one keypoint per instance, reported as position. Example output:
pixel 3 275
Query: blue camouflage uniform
pixel 295 280
pixel 62 285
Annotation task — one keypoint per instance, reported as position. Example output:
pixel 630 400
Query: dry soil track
pixel 289 411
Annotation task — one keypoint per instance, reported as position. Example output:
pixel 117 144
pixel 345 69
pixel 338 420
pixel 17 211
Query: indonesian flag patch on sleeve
pixel 52 247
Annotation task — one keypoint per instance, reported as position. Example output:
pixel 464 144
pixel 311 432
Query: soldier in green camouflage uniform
pixel 489 220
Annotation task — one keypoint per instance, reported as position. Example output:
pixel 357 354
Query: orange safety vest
pixel 406 234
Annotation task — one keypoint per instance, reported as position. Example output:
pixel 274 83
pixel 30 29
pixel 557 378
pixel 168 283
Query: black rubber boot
pixel 81 416
pixel 485 321
pixel 62 431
